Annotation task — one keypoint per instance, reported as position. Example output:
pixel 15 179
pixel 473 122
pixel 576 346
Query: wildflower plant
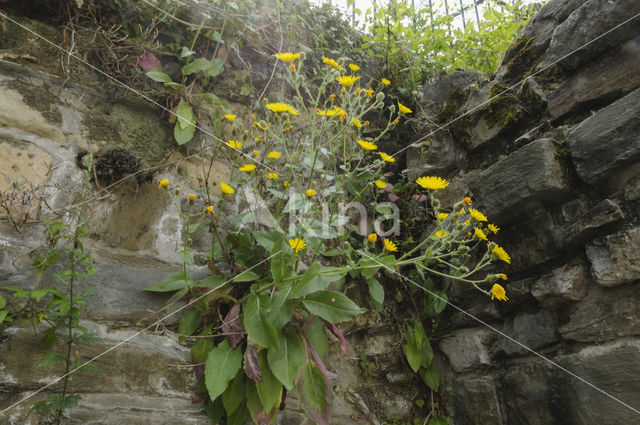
pixel 280 266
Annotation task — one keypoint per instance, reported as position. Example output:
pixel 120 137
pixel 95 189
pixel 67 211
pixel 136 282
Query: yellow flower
pixel 440 234
pixel 163 183
pixel 442 216
pixel 272 176
pixel 336 111
pixel 366 123
pixel 330 62
pixel 287 57
pixel 369 92
pixel 381 184
pixel 385 81
pixel 495 229
pixel 353 67
pixel 321 112
pixel 433 183
pixel 386 157
pixel 274 155
pixel 367 146
pixel 292 67
pixel 297 244
pixel 372 237
pixel 357 123
pixel 256 153
pixel 501 254
pixel 285 184
pixel 403 109
pixel 501 276
pixel 390 246
pixel 347 80
pixel 466 201
pixel 479 234
pixel 332 97
pixel 477 215
pixel 230 117
pixel 282 107
pixel 396 122
pixel 246 132
pixel 310 193
pixel 358 90
pixel 247 168
pixel 210 209
pixel 235 144
pixel 191 196
pixel 226 188
pixel 498 292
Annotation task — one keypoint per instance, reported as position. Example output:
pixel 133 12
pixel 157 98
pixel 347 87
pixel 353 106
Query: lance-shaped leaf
pixel 255 321
pixel 234 395
pixel 288 360
pixel 175 281
pixel 336 332
pixel 256 409
pixel 270 389
pixel 221 366
pixel 332 306
pixel 232 326
pixel 315 278
pixel 251 366
pixel 313 390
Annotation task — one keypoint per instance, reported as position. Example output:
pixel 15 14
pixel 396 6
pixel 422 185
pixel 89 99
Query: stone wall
pixel 555 163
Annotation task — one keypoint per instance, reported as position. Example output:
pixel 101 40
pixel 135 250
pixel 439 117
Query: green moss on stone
pixel 504 110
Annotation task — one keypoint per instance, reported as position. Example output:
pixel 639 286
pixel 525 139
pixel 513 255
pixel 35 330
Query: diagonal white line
pixel 486 102
pixel 502 334
pixel 58 379
pixel 131 89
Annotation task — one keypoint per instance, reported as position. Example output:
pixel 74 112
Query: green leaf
pixel 376 290
pixel 234 395
pixel 160 77
pixel 247 276
pixel 281 308
pixel 332 306
pixel 189 321
pixel 221 366
pixel 313 388
pixel 186 256
pixel 413 349
pixel 270 389
pixel 183 136
pixel 267 239
pixel 200 350
pixel 215 68
pixel 195 226
pixel 184 114
pixel 213 281
pixel 239 417
pixel 430 376
pixel 3 315
pixel 3 302
pixel 440 420
pixel 214 410
pixel 51 358
pixel 258 329
pixel 288 360
pixel 313 281
pixel 317 337
pixel 280 263
pixel 172 282
pixel 197 65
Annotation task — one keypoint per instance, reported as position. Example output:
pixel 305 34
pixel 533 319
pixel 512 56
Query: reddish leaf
pixel 251 366
pixel 315 358
pixel 232 325
pixel 343 342
pixel 149 63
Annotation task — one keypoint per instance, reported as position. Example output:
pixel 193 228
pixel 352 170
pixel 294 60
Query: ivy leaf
pixel 335 307
pixel 172 282
pixel 314 395
pixel 258 329
pixel 221 366
pixel 270 389
pixel 288 360
pixel 234 394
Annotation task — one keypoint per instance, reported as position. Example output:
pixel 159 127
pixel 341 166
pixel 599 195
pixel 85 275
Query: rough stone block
pixel 532 173
pixel 477 401
pixel 585 226
pixel 534 330
pixel 468 349
pixel 563 285
pixel 16 113
pixel 616 259
pixel 449 92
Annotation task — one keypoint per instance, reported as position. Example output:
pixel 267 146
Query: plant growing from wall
pixel 281 266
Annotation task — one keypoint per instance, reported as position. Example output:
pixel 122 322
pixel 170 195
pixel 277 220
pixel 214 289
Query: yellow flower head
pixel 330 62
pixel 210 209
pixel 247 168
pixel 367 146
pixel 477 215
pixel 235 144
pixel 432 183
pixel 274 155
pixel 495 229
pixel 297 244
pixel 353 67
pixel 501 254
pixel 246 132
pixel 357 123
pixel 321 112
pixel 272 176
pixel 286 184
pixel 163 183
pixel 380 184
pixel 256 153
pixel 501 276
pixel 442 216
pixel 230 117
pixel 479 234
pixel 282 107
pixel 369 92
pixel 386 157
pixel 403 109
pixel 498 292
pixel 347 80
pixel 440 233
pixel 191 197
pixel 372 237
pixel 396 122
pixel 260 126
pixel 337 111
pixel 390 246
pixel 385 81
pixel 226 188
pixel 467 201
pixel 287 57
pixel 310 193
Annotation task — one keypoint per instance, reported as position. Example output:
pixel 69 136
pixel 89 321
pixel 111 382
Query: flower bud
pixel 436 203
pixel 392 108
pixel 379 97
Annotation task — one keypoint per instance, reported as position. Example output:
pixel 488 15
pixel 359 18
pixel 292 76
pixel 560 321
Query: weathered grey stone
pixel 585 226
pixel 487 312
pixel 605 314
pixel 573 209
pixel 533 330
pixel 438 156
pixel 468 349
pixel 632 189
pixel 449 92
pixel 602 15
pixel 563 285
pixel 477 402
pixel 611 77
pixel 458 188
pixel 530 174
pixel 616 260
